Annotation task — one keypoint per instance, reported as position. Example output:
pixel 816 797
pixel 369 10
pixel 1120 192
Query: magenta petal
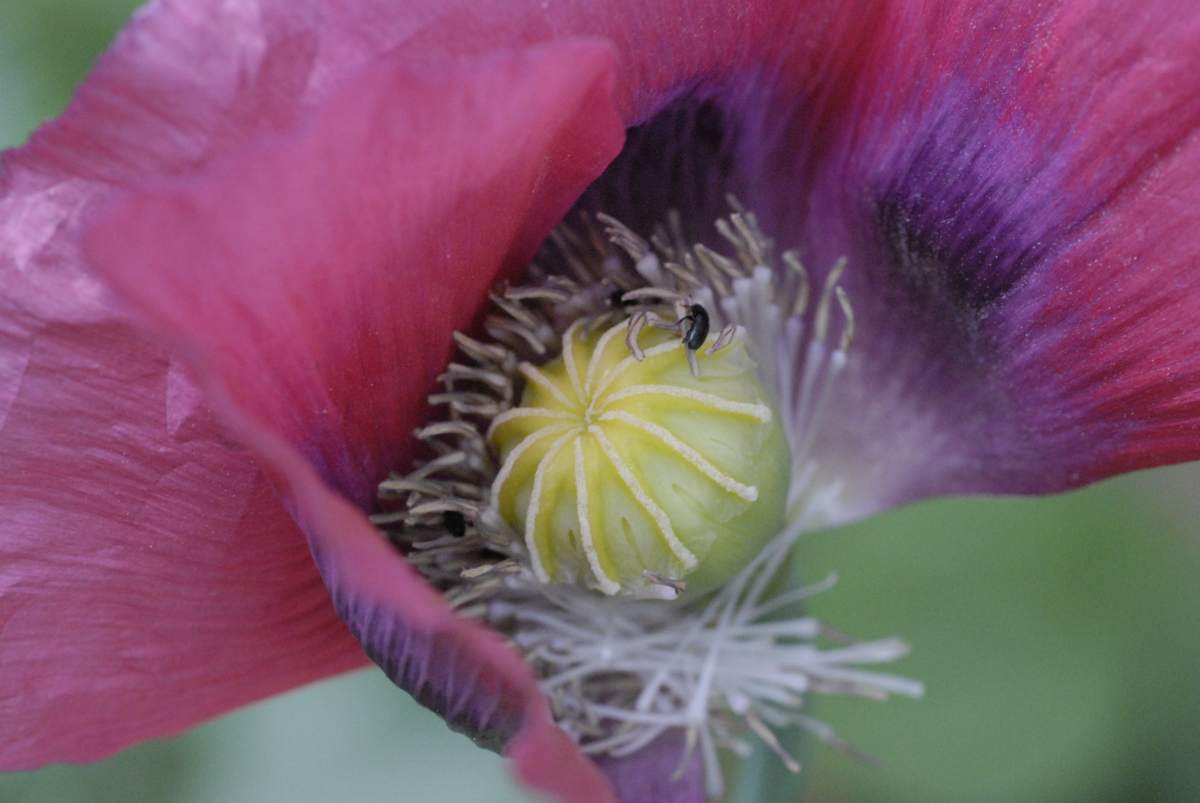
pixel 188 79
pixel 317 279
pixel 324 273
pixel 457 667
pixel 1020 241
pixel 1104 340
pixel 1015 188
pixel 150 577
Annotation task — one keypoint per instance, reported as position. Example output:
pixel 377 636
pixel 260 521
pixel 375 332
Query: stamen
pixel 555 295
pixel 711 259
pixel 848 311
pixel 649 268
pixel 723 339
pixel 660 293
pixel 446 505
pixel 679 586
pixel 636 324
pixel 488 354
pixel 571 247
pixel 517 312
pixel 821 327
pixel 623 237
pixel 515 333
pixel 461 429
pixel 732 235
pixel 681 273
pixel 715 280
pixel 763 732
pixel 800 305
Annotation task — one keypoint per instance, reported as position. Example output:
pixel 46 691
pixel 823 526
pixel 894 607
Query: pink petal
pixel 1117 346
pixel 317 279
pixel 150 577
pixel 1016 190
pixel 189 80
pixel 1087 387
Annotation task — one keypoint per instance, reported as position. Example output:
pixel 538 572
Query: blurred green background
pixel 1059 638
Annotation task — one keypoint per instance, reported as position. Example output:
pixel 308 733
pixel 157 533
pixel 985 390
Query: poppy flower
pixel 280 212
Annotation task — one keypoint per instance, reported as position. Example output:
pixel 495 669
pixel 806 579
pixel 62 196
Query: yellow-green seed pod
pixel 612 466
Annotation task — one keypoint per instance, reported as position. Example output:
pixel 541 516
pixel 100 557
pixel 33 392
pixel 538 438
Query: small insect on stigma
pixel 455 523
pixel 697 329
pixel 693 321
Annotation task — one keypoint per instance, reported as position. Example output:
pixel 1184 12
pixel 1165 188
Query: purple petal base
pixel 650 775
pixel 472 698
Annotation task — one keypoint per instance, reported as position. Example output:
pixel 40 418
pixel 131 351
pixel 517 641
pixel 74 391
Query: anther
pixel 732 235
pixel 683 274
pixel 569 245
pixel 661 240
pixel 467 403
pixel 821 325
pixel 636 324
pixel 446 506
pixel 752 244
pixel 515 311
pixel 498 327
pixel 461 429
pixel 621 236
pixel 715 278
pixel 458 372
pixel 763 732
pixel 800 305
pixel 716 262
pixel 398 487
pixel 670 582
pixel 848 312
pixel 635 296
pixel 723 339
pixel 555 295
pixel 485 352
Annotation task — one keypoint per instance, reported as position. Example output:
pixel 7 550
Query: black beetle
pixel 697 331
pixel 455 523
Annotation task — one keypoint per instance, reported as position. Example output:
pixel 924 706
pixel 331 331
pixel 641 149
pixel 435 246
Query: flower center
pixel 603 440
pixel 623 472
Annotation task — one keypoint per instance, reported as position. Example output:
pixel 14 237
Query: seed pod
pixel 613 468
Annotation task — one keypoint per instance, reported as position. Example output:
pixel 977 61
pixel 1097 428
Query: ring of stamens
pixel 620 671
